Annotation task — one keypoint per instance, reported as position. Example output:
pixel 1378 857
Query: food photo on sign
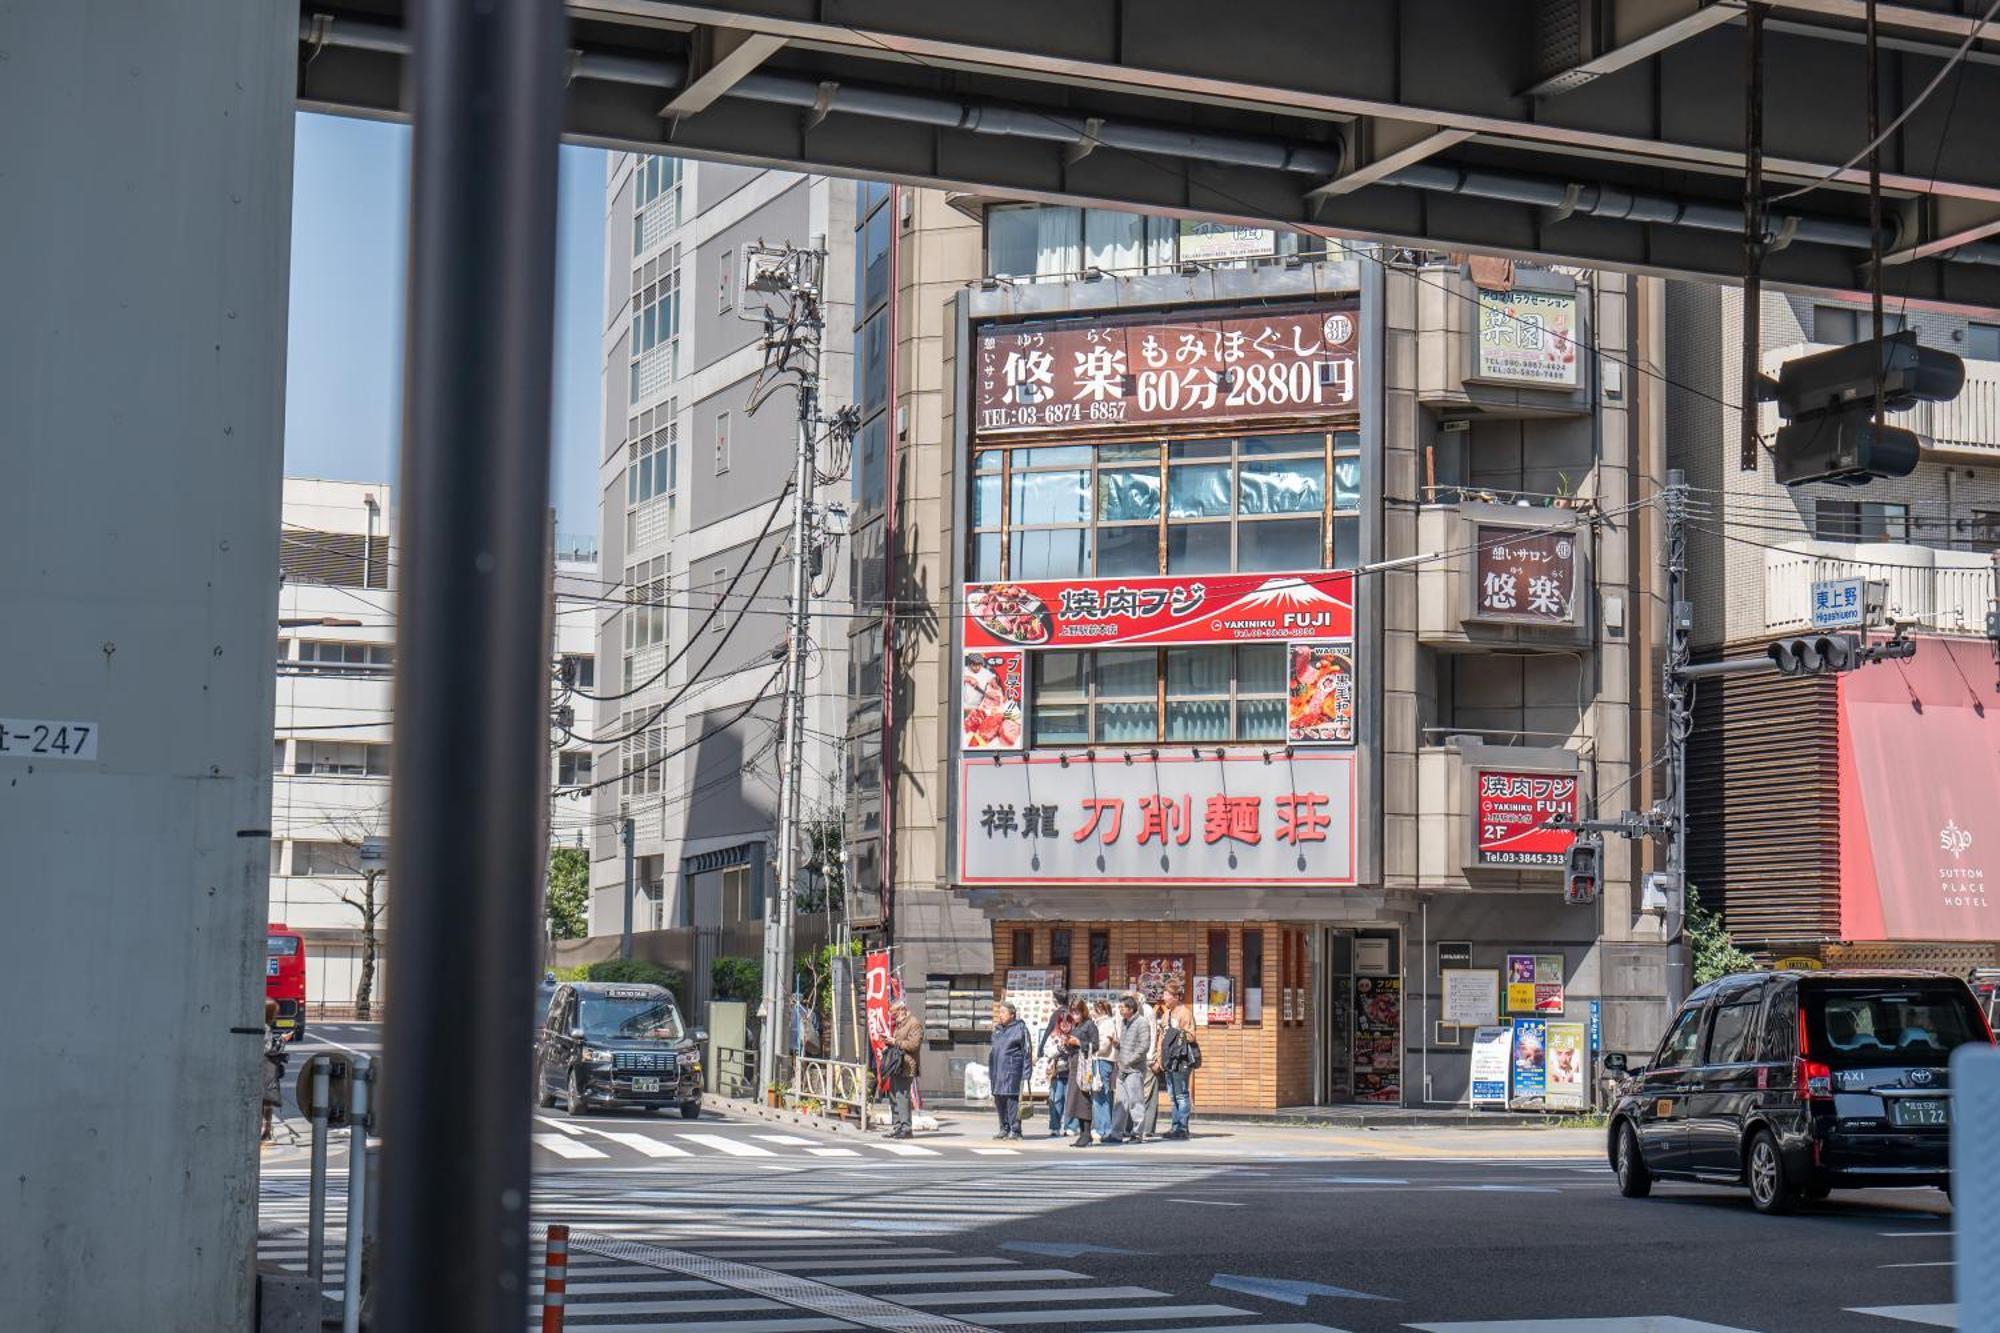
pixel 991 698
pixel 1320 708
pixel 1183 609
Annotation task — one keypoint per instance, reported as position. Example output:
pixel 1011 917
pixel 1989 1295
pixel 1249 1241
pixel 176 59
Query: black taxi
pixel 612 1044
pixel 1799 1083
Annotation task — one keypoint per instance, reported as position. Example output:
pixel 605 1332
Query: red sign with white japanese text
pixel 1079 375
pixel 1514 810
pixel 1166 609
pixel 1230 819
pixel 881 983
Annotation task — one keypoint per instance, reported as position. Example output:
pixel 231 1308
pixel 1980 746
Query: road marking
pixel 1005 1317
pixel 562 1125
pixel 1208 1203
pixel 1936 1263
pixel 925 1299
pixel 1645 1323
pixel 1937 1316
pixel 563 1147
pixel 965 1275
pixel 639 1143
pixel 997 1152
pixel 788 1140
pixel 1499 1189
pixel 734 1147
pixel 834 1152
pixel 1915 1233
pixel 906 1149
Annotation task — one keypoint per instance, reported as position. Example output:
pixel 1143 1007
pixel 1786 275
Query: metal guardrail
pixel 1948 592
pixel 834 1086
pixel 734 1073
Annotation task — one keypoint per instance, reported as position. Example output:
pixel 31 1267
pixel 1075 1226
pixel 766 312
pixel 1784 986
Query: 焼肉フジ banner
pixel 1084 374
pixel 1164 609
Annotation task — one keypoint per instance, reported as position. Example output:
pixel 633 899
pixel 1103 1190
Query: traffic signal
pixel 1817 654
pixel 1583 870
pixel 1831 398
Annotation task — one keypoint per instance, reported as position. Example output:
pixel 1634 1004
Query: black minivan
pixel 1798 1083
pixel 607 1044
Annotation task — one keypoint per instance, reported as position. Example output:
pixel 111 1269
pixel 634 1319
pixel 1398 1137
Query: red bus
pixel 285 977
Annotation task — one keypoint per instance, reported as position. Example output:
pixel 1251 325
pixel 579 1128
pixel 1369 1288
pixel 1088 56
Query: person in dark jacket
pixel 1007 1062
pixel 906 1034
pixel 1082 1046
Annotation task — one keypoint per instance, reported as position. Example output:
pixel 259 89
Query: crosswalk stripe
pixel 1068 1295
pixel 788 1140
pixel 911 1279
pixel 808 1265
pixel 1005 1317
pixel 639 1143
pixel 1936 1316
pixel 814 1325
pixel 997 1152
pixel 562 1125
pixel 833 1152
pixel 566 1147
pixel 906 1149
pixel 734 1147
pixel 1651 1323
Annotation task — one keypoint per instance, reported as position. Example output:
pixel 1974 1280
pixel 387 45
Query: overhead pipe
pixel 1318 159
pixel 913 108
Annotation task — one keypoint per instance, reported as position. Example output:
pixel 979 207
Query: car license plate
pixel 1919 1112
pixel 645 1085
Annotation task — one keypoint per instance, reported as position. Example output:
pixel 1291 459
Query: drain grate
pixel 800 1292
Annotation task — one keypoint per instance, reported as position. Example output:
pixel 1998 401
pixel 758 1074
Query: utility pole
pixel 625 939
pixel 1680 723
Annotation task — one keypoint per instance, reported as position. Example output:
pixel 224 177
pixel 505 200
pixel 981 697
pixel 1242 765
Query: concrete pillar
pixel 144 251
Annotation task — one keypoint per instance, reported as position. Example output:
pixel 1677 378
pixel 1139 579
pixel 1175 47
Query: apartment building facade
pixel 1853 820
pixel 1133 534
pixel 695 524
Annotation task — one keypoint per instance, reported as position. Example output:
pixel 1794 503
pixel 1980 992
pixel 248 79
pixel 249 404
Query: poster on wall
pixel 1528 337
pixel 1524 576
pixel 1549 997
pixel 1285 1002
pixel 1148 974
pixel 1535 983
pixel 1221 1000
pixel 1492 1047
pixel 1253 1004
pixel 1159 609
pixel 1529 1061
pixel 1071 373
pixel 990 696
pixel 1513 814
pixel 1320 705
pixel 1471 997
pixel 1210 242
pixel 1378 1043
pixel 1567 1080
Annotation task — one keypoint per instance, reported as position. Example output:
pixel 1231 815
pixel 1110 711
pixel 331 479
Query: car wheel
pixel 573 1103
pixel 1634 1180
pixel 1771 1189
pixel 543 1097
pixel 691 1111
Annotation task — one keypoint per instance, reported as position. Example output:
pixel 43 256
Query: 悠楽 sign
pixel 1513 813
pixel 1163 609
pixel 1524 576
pixel 1222 820
pixel 1077 374
pixel 1528 338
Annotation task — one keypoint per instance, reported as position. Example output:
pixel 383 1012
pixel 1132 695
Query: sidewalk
pixel 1341 1117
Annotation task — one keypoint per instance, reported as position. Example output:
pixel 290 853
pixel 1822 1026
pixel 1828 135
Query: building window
pixel 1861 521
pixel 1100 959
pixel 580 669
pixel 1986 529
pixel 640 752
pixel 721 442
pixel 1982 342
pixel 573 768
pixel 740 900
pixel 1023 949
pixel 325 859
pixel 323 657
pixel 1059 946
pixel 1030 241
pixel 1258 502
pixel 655 180
pixel 1252 1000
pixel 651 454
pixel 725 284
pixel 1845 324
pixel 656 314
pixel 1205 695
pixel 645 604
pixel 352 759
pixel 1218 953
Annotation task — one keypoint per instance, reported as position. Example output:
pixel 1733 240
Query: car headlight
pixel 593 1056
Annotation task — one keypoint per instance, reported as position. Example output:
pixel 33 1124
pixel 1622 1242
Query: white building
pixel 332 730
pixel 696 519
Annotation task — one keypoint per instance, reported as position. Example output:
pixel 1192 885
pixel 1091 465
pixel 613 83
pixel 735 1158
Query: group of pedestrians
pixel 1106 1065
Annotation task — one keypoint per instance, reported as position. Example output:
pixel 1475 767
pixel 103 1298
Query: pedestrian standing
pixel 1054 1055
pixel 1082 1045
pixel 1135 1053
pixel 1104 1067
pixel 906 1038
pixel 1178 1053
pixel 1149 1088
pixel 1007 1065
pixel 273 1068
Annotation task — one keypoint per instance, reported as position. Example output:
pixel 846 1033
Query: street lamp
pixel 328 622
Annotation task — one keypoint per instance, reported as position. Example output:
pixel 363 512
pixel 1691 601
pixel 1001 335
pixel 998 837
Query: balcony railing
pixel 1968 424
pixel 1945 592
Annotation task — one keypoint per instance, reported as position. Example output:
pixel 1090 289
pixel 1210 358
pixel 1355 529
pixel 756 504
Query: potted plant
pixel 774 1096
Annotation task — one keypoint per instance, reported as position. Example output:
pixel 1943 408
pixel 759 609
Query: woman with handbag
pixel 1080 1045
pixel 1180 1056
pixel 1103 1067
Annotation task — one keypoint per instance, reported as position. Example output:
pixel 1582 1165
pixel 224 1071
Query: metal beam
pixel 1383 148
pixel 1942 225
pixel 1639 32
pixel 722 56
pixel 1942 22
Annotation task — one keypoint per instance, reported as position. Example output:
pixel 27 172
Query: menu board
pixel 1032 992
pixel 1378 1040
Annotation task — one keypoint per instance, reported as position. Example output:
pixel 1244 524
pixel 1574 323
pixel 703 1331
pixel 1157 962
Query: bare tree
pixel 351 830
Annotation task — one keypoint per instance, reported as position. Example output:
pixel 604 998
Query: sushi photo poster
pixel 1320 692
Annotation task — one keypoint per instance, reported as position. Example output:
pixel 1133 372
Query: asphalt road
pixel 1477 1231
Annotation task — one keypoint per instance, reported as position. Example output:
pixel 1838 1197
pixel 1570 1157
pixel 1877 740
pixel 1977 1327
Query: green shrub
pixel 737 978
pixel 637 971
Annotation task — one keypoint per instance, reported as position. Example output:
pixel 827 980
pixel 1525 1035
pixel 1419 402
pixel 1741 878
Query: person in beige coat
pixel 906 1034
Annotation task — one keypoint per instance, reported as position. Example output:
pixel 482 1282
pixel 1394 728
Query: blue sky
pixel 343 383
